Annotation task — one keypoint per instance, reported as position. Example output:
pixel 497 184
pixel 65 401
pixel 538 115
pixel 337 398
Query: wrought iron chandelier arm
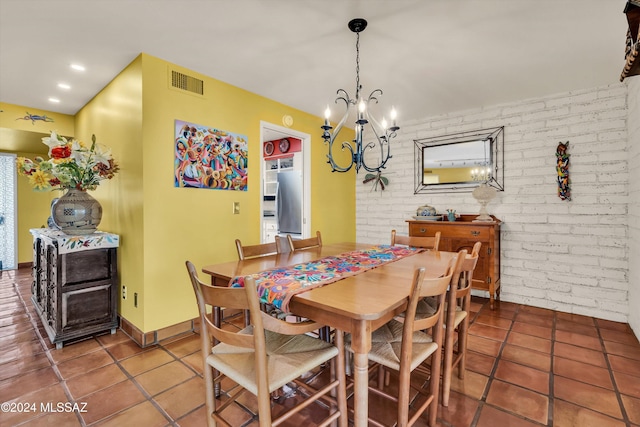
pixel 329 138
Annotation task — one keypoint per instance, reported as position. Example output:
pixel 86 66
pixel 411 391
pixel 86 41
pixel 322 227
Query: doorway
pixel 8 209
pixel 268 203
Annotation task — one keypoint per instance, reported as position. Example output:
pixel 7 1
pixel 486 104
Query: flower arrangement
pixel 71 165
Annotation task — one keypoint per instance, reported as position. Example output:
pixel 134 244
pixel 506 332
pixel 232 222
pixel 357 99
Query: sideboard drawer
pixel 461 231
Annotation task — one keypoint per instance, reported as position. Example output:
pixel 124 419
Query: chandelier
pixel 380 133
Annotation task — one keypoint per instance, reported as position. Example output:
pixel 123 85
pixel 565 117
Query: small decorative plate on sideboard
pixel 428 218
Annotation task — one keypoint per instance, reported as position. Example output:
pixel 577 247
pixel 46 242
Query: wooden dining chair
pixel 264 357
pixel 457 321
pixel 311 242
pixel 431 242
pixel 402 345
pixel 253 251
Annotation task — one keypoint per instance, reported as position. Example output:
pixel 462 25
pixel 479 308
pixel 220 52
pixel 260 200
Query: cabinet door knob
pixel 423 230
pixel 475 233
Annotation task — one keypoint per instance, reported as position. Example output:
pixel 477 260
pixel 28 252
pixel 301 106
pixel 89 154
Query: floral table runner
pixel 277 286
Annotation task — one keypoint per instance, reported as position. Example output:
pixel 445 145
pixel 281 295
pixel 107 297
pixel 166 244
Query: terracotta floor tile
pixel 146 361
pixel 498 322
pixel 622 337
pixel 108 339
pixel 473 384
pixel 588 396
pixel 74 350
pixel 183 398
pixel 143 414
pixel 580 354
pixel 197 418
pixel 59 419
pixel 487 331
pixel 632 407
pixel 493 417
pixel 195 362
pixel 185 346
pixel 164 377
pixel 27 383
pixel 525 356
pixel 532 319
pixel 460 411
pixel 631 352
pixel 84 364
pixel 616 326
pixel 480 363
pixel 622 364
pixel 582 372
pixel 20 350
pixel 537 311
pixel 126 349
pixel 537 331
pixel 523 376
pixel 23 365
pixel 484 345
pixel 580 340
pixel 51 393
pixel 566 414
pixel 517 400
pixel 564 325
pixel 95 380
pixel 528 341
pixel 627 384
pixel 575 318
pixel 15 329
pixel 112 400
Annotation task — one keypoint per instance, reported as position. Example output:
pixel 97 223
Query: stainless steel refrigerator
pixel 289 203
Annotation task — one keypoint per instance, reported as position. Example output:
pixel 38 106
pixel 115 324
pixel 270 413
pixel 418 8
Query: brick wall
pixel 567 256
pixel 633 127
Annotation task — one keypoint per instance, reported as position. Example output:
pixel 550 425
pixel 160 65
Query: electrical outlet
pixel 236 208
pixel 124 292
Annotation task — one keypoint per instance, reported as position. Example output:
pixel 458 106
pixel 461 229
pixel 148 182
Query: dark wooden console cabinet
pixel 463 234
pixel 75 283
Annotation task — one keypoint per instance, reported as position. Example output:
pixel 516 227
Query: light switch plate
pixel 236 208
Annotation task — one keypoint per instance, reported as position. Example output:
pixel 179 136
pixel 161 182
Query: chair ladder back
pixel 311 242
pixel 427 242
pixel 252 251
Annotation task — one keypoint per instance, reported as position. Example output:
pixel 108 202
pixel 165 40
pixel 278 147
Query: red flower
pixel 62 152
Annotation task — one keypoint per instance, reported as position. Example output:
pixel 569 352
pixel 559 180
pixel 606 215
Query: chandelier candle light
pixel 382 133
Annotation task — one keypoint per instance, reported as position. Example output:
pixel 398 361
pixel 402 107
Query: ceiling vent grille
pixel 188 83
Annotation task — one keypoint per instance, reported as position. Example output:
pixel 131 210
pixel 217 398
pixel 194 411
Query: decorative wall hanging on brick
pixel 562 167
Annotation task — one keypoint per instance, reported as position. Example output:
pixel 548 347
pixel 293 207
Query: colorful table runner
pixel 277 286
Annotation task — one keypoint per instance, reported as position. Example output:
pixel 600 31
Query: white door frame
pixel 12 221
pixel 306 175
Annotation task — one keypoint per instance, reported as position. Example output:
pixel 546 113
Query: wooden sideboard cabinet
pixel 75 283
pixel 463 234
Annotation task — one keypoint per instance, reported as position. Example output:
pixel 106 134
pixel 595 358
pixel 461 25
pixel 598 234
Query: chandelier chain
pixel 357 66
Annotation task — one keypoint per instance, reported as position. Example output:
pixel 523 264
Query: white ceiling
pixel 428 56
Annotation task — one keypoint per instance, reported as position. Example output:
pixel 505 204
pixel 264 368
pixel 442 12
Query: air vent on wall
pixel 188 83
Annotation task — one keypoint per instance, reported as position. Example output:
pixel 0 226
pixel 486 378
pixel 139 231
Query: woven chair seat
pixel 289 356
pixel 427 306
pixel 386 345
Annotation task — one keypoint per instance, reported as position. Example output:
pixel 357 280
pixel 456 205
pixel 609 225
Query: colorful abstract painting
pixel 209 158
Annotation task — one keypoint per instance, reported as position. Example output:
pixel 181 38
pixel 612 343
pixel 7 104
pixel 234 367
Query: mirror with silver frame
pixel 459 162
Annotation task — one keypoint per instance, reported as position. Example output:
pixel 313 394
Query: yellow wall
pixel 115 117
pixel 33 207
pixel 162 226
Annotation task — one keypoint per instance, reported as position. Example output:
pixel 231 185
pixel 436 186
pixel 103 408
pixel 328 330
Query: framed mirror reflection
pixel 459 162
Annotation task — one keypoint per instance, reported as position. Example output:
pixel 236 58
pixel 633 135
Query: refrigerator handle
pixel 278 206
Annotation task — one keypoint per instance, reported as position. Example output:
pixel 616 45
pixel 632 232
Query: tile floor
pixel 526 367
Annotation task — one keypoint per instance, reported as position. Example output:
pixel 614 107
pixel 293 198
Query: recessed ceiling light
pixel 64 86
pixel 77 67
pixel 54 100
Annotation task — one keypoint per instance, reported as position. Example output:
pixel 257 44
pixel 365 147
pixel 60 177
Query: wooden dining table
pixel 357 304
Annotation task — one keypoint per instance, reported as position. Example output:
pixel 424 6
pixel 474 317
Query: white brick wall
pixel 633 126
pixel 567 256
